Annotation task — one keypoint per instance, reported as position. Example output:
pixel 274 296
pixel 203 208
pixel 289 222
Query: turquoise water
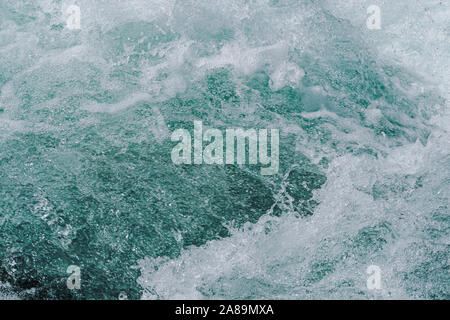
pixel 86 176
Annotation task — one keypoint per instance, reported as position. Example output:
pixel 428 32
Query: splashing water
pixel 86 177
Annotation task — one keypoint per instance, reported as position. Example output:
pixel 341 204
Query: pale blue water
pixel 86 176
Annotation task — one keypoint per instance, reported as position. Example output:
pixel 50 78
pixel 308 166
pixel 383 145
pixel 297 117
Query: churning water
pixel 86 176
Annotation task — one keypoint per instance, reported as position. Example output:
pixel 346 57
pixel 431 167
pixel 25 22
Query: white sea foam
pixel 391 201
pixel 6 292
pixel 372 210
pixel 258 263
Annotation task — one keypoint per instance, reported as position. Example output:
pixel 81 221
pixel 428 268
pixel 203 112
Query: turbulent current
pixel 87 180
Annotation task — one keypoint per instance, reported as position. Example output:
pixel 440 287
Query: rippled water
pixel 86 176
